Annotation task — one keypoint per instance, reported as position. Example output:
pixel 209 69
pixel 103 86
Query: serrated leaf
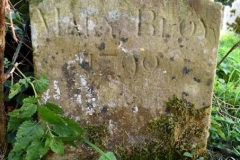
pixel 56 145
pixel 74 126
pixel 26 81
pixel 70 140
pixel 27 110
pixel 108 156
pixel 36 150
pixel 53 107
pixel 15 155
pixel 31 100
pixel 14 90
pixel 68 128
pixel 41 84
pixel 14 123
pixel 49 116
pixel 27 132
pixel 62 130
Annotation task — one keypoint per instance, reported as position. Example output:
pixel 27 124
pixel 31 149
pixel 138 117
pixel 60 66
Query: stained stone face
pixel 117 62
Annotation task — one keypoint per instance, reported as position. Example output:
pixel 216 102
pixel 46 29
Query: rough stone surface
pixel 231 18
pixel 117 62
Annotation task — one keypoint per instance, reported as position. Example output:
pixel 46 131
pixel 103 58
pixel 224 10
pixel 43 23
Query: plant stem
pixel 96 148
pixel 35 93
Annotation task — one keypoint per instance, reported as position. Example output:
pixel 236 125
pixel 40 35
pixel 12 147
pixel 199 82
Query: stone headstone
pixel 141 72
pixel 231 18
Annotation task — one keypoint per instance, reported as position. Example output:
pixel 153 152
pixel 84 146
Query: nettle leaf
pixel 30 100
pixel 14 90
pixel 41 84
pixel 56 145
pixel 14 123
pixel 15 155
pixel 62 130
pixel 26 81
pixel 49 116
pixel 70 140
pixel 53 107
pixel 68 128
pixel 74 126
pixel 27 132
pixel 27 110
pixel 36 150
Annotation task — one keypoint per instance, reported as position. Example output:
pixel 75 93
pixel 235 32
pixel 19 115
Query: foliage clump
pixel 225 119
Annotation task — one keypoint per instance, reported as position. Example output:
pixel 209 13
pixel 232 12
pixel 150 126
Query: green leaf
pixel 53 107
pixel 30 100
pixel 41 84
pixel 25 81
pixel 36 150
pixel 110 156
pixel 14 89
pixel 14 123
pixel 15 155
pixel 56 145
pixel 27 110
pixel 49 116
pixel 69 128
pixel 74 126
pixel 187 154
pixel 27 132
pixel 70 140
pixel 221 134
pixel 62 130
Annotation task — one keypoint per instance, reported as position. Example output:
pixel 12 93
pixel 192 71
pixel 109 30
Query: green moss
pixel 179 131
pixel 97 134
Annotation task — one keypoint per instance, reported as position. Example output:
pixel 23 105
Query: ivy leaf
pixel 36 150
pixel 56 145
pixel 41 84
pixel 53 107
pixel 27 132
pixel 27 110
pixel 14 123
pixel 108 156
pixel 14 89
pixel 49 116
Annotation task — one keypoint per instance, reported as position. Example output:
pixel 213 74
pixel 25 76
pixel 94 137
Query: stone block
pixel 143 70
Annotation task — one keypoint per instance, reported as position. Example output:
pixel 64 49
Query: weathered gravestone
pixel 137 74
pixel 231 18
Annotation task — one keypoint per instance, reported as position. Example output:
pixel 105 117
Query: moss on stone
pixel 97 133
pixel 179 131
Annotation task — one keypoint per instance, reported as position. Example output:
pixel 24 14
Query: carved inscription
pixel 89 22
pixel 129 65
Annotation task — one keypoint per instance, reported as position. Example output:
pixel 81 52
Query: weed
pixel 225 119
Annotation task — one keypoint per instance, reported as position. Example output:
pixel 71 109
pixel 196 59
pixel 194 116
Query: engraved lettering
pixel 129 65
pixel 150 62
pixel 187 28
pixel 42 19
